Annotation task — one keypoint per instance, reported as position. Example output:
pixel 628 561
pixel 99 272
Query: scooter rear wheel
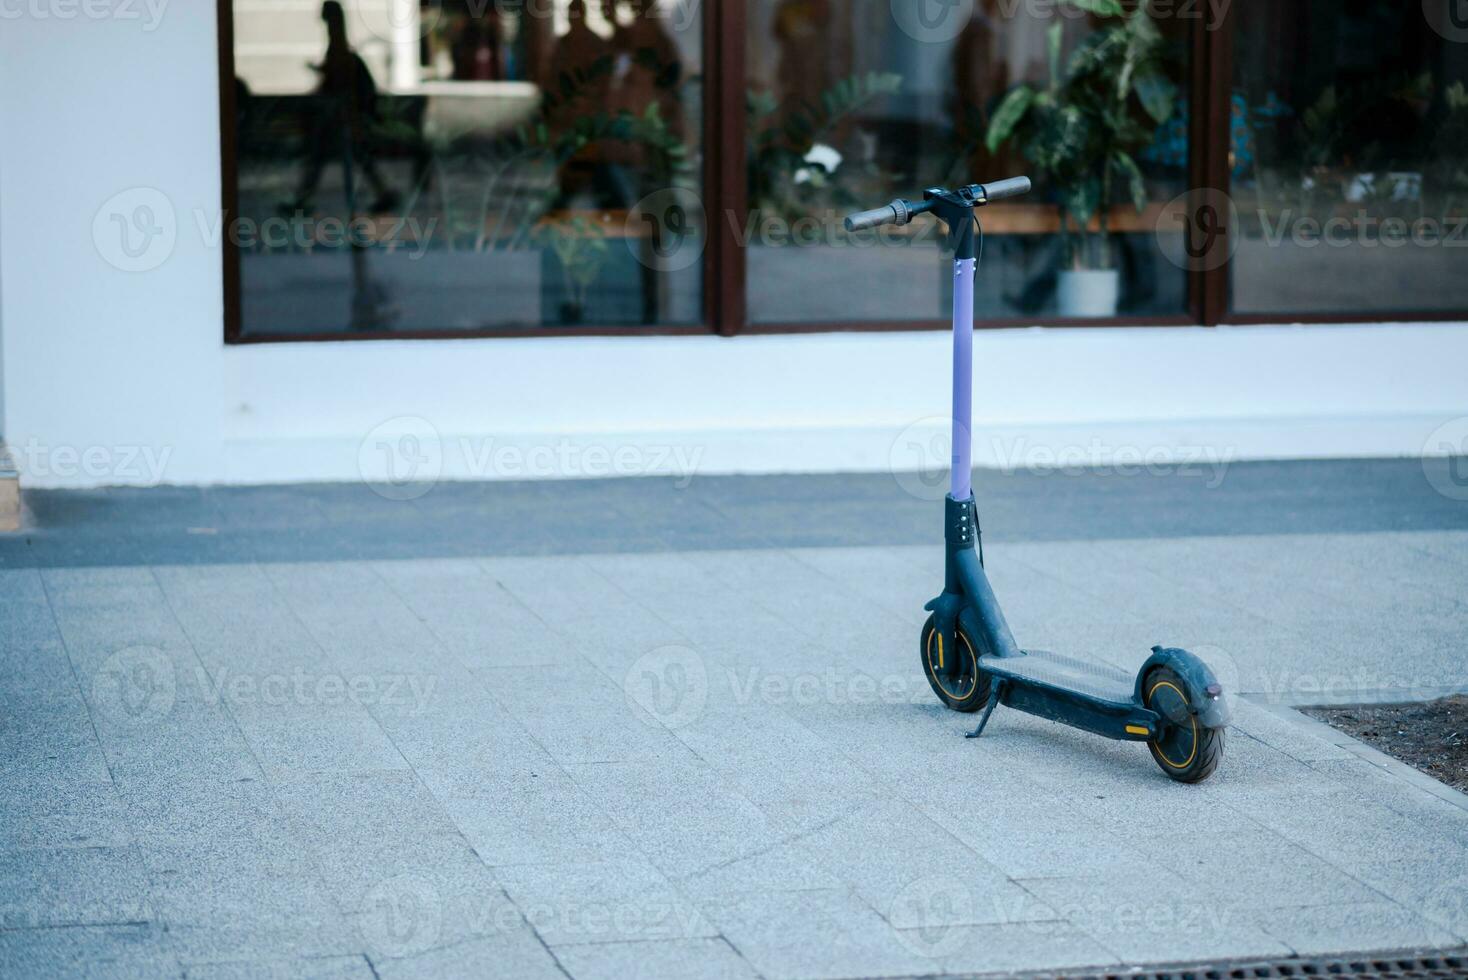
pixel 967 688
pixel 1187 752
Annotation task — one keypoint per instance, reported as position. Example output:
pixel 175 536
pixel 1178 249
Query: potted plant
pixel 1099 108
pixel 791 169
pixel 580 247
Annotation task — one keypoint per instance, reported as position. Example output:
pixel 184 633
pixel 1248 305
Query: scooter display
pixel 1174 703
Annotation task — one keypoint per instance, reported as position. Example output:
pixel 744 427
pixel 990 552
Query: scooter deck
pixel 1096 680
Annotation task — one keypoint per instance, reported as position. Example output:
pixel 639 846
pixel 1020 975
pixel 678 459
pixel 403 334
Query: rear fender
pixel 1207 699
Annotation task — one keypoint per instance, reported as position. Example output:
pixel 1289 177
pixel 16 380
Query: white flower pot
pixel 1088 292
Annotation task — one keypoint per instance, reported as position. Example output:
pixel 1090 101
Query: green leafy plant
pixel 580 246
pixel 782 135
pixel 1334 123
pixel 1450 148
pixel 1102 106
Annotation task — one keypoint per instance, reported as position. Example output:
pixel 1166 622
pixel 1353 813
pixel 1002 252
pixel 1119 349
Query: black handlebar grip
pixel 875 217
pixel 1001 189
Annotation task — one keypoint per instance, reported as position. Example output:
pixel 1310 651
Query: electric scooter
pixel 1174 703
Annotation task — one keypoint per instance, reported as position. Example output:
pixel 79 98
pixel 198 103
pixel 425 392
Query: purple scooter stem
pixel 960 477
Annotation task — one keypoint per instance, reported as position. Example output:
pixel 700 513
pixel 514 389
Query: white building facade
pixel 114 368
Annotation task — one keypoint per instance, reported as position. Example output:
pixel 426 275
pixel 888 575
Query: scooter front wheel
pixel 1185 750
pixel 953 674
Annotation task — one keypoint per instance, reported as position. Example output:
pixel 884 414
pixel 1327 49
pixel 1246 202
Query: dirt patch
pixel 1432 737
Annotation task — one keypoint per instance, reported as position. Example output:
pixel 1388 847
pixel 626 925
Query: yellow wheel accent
pixel 1191 720
pixel 935 669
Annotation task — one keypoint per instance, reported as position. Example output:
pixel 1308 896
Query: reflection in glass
pixel 1351 131
pixel 855 103
pixel 472 166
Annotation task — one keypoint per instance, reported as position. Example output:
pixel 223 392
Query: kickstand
pixel 994 688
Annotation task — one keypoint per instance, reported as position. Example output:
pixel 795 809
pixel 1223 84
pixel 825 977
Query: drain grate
pixel 1388 966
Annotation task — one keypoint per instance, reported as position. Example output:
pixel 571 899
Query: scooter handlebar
pixel 900 212
pixel 894 212
pixel 1001 189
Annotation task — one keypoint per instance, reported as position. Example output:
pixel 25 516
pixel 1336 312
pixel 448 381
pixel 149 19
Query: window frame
pixel 725 273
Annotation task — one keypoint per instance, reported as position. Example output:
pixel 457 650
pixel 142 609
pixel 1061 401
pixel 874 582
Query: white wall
pixel 839 401
pixel 97 358
pixel 122 377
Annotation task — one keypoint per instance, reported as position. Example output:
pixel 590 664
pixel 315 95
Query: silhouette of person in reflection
pixel 476 50
pixel 639 67
pixel 980 77
pixel 648 68
pixel 580 70
pixel 345 106
pixel 801 30
pixel 580 86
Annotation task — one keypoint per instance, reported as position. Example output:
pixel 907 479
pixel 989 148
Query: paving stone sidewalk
pixel 713 762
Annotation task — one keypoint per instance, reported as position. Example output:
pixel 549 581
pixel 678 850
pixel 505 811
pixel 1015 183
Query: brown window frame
pixel 725 274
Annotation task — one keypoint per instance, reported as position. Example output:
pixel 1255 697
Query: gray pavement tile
pixel 673 959
pixel 823 933
pixel 897 741
pixel 73 886
pixel 1394 560
pixel 114 952
pixel 313 935
pixel 616 900
pixel 1151 916
pixel 903 865
pixel 1318 930
pixel 190 741
pixel 1297 742
pixel 238 898
pixel 773 760
pixel 35 723
pixel 1010 947
pixel 1448 546
pixel 539 819
pixel 125 643
pixel 473 616
pixel 682 815
pixel 1259 871
pixel 62 582
pixel 367 828
pixel 409 915
pixel 357 619
pixel 786 865
pixel 811 602
pixel 783 776
pixel 685 596
pixel 305 968
pixel 203 812
pixel 325 739
pixel 1343 827
pixel 889 578
pixel 1403 790
pixel 242 629
pixel 21 586
pixel 578 715
pixel 45 672
pixel 1436 890
pixel 1043 833
pixel 463 745
pixel 60 808
pixel 520 956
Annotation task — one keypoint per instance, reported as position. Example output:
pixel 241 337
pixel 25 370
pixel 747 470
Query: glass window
pixel 1350 135
pixel 425 165
pixel 855 103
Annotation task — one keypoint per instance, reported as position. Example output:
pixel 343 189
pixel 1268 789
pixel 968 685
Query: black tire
pixel 1187 753
pixel 971 690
